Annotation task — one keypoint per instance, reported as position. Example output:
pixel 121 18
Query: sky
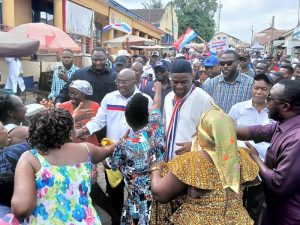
pixel 238 16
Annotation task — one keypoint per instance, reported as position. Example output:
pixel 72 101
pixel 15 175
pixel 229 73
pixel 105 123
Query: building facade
pixel 164 19
pixel 83 20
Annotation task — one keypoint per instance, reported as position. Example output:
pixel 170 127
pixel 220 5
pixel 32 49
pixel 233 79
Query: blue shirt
pixel 10 155
pixel 227 94
pixel 57 83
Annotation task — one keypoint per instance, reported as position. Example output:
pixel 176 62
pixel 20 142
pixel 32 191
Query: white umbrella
pixel 128 40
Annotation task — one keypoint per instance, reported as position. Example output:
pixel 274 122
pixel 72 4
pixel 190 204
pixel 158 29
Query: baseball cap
pixel 266 77
pixel 162 64
pixel 121 60
pixel 123 52
pixel 155 53
pixel 211 61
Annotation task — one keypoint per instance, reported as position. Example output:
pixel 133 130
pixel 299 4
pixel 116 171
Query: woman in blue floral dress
pixel 135 154
pixel 53 180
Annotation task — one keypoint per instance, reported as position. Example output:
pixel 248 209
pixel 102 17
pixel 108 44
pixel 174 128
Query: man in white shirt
pixel 254 112
pixel 14 79
pixel 112 115
pixel 111 111
pixel 183 108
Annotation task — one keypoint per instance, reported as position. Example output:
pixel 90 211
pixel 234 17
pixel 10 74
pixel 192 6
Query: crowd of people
pixel 187 138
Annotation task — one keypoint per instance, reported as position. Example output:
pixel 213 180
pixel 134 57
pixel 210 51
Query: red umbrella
pixel 51 38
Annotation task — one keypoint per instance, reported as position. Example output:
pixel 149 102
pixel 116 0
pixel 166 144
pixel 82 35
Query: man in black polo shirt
pixel 99 75
pixel 161 71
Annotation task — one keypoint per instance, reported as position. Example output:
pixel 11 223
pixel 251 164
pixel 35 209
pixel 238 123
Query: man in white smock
pixel 14 79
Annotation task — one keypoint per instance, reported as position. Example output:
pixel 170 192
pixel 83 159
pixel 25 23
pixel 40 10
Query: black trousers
pixel 253 201
pixel 116 196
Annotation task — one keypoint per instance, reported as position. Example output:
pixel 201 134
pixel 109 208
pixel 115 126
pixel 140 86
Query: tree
pixel 152 4
pixel 197 14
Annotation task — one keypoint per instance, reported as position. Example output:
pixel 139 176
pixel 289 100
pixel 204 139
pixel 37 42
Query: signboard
pixel 79 20
pixel 296 33
pixel 218 45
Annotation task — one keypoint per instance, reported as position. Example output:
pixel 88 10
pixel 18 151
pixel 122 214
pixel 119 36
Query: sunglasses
pixel 270 98
pixel 228 63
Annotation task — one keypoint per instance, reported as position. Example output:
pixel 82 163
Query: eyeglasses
pixel 125 82
pixel 208 67
pixel 228 63
pixel 270 98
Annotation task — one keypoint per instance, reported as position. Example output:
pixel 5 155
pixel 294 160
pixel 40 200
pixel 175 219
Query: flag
pixel 179 40
pixel 188 36
pixel 124 27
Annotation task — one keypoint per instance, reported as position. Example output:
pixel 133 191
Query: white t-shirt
pixel 190 114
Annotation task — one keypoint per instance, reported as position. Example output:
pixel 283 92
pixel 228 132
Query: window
pixel 42 11
pixel 297 52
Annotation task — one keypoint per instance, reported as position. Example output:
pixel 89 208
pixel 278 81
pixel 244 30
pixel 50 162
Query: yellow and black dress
pixel 216 206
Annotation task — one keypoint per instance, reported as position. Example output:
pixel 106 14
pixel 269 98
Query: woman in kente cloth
pixel 212 177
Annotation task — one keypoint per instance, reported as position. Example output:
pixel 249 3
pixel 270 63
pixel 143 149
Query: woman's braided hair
pixel 5 106
pixel 50 129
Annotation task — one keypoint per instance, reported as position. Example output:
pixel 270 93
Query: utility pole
pixel 298 12
pixel 150 11
pixel 220 5
pixel 251 35
pixel 272 35
pixel 173 21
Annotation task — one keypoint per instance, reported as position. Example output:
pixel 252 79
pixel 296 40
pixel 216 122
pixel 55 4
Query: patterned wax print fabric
pixel 133 157
pixel 215 205
pixel 63 195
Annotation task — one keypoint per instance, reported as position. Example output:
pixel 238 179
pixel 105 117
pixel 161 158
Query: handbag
pixel 114 177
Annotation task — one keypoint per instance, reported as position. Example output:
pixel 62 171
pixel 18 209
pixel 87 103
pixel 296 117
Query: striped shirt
pixel 57 83
pixel 227 94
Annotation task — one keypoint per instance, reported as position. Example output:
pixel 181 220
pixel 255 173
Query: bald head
pixel 140 59
pixel 126 82
pixel 126 74
pixel 137 67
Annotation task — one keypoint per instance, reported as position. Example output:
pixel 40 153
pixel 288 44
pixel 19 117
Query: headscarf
pixel 83 86
pixel 216 135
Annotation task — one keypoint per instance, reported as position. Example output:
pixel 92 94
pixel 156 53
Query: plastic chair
pixel 30 85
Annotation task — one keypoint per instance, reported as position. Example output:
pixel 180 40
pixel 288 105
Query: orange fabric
pixel 92 105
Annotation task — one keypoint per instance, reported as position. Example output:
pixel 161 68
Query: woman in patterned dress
pixel 212 175
pixel 135 154
pixel 53 180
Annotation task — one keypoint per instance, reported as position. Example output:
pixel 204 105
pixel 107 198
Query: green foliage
pixel 197 14
pixel 153 4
